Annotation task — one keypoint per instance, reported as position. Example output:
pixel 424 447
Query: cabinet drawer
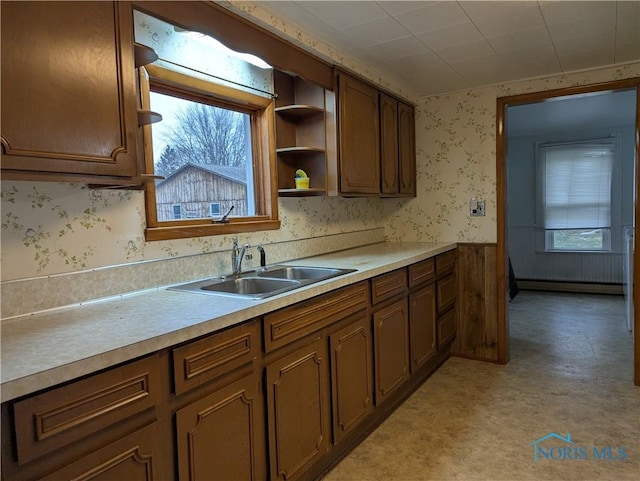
pixel 446 328
pixel 388 285
pixel 445 263
pixel 202 361
pixel 421 272
pixel 58 417
pixel 446 293
pixel 136 457
pixel 295 322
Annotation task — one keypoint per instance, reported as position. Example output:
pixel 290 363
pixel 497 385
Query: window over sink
pixel 215 145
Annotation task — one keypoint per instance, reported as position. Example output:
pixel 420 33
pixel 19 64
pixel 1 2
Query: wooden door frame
pixel 501 206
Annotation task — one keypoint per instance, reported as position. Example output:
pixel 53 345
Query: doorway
pixel 502 200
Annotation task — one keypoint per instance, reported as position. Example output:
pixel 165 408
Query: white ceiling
pixel 577 112
pixel 433 47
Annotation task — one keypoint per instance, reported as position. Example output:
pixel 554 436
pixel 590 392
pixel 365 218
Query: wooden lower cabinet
pixel 391 340
pixel 228 407
pixel 446 293
pixel 298 410
pixel 422 325
pixel 351 376
pixel 105 426
pixel 446 328
pixel 221 436
pixel 137 457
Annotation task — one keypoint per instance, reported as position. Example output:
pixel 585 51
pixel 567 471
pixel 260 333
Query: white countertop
pixel 45 349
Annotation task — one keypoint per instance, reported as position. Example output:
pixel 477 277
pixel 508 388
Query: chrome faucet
pixel 263 256
pixel 237 254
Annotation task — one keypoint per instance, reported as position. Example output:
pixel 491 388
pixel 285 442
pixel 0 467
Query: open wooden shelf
pixel 299 150
pixel 143 55
pixel 146 117
pixel 305 136
pixel 299 112
pixel 301 192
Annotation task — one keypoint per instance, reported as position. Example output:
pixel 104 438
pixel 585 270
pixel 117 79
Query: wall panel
pixel 477 302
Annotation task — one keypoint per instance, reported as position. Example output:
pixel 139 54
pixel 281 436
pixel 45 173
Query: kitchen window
pixel 214 150
pixel 575 195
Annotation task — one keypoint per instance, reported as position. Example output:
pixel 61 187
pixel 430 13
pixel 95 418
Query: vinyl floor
pixel 571 373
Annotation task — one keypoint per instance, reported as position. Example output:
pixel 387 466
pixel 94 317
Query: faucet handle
pixel 235 242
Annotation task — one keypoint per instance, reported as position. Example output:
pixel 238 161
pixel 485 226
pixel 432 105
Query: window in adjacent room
pixel 575 195
pixel 214 147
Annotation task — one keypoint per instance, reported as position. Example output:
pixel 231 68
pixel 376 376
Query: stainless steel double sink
pixel 263 282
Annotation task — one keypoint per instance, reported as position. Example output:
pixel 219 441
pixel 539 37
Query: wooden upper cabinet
pixel 398 151
pixel 406 150
pixel 376 141
pixel 389 144
pixel 359 135
pixel 69 109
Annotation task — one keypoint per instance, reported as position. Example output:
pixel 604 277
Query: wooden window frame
pixel 262 112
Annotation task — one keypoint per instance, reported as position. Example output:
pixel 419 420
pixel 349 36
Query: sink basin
pixel 263 283
pixel 303 273
pixel 248 286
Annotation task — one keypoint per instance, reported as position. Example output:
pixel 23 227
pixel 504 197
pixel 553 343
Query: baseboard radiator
pixel 562 286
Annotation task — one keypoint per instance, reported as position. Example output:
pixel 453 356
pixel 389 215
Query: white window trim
pixel 211 213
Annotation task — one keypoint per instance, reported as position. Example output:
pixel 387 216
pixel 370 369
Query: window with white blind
pixel 575 195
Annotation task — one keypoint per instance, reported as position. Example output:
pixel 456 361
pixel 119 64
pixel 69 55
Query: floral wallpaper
pixel 456 159
pixel 57 228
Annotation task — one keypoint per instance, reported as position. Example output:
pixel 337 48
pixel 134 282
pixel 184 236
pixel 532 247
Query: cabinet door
pixel 446 293
pixel 351 376
pixel 391 337
pixel 298 410
pixel 446 328
pixel 407 149
pixel 422 324
pixel 389 144
pixel 221 436
pixel 359 137
pixel 140 456
pixel 68 89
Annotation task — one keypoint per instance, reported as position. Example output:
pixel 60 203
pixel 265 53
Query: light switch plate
pixel 479 210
